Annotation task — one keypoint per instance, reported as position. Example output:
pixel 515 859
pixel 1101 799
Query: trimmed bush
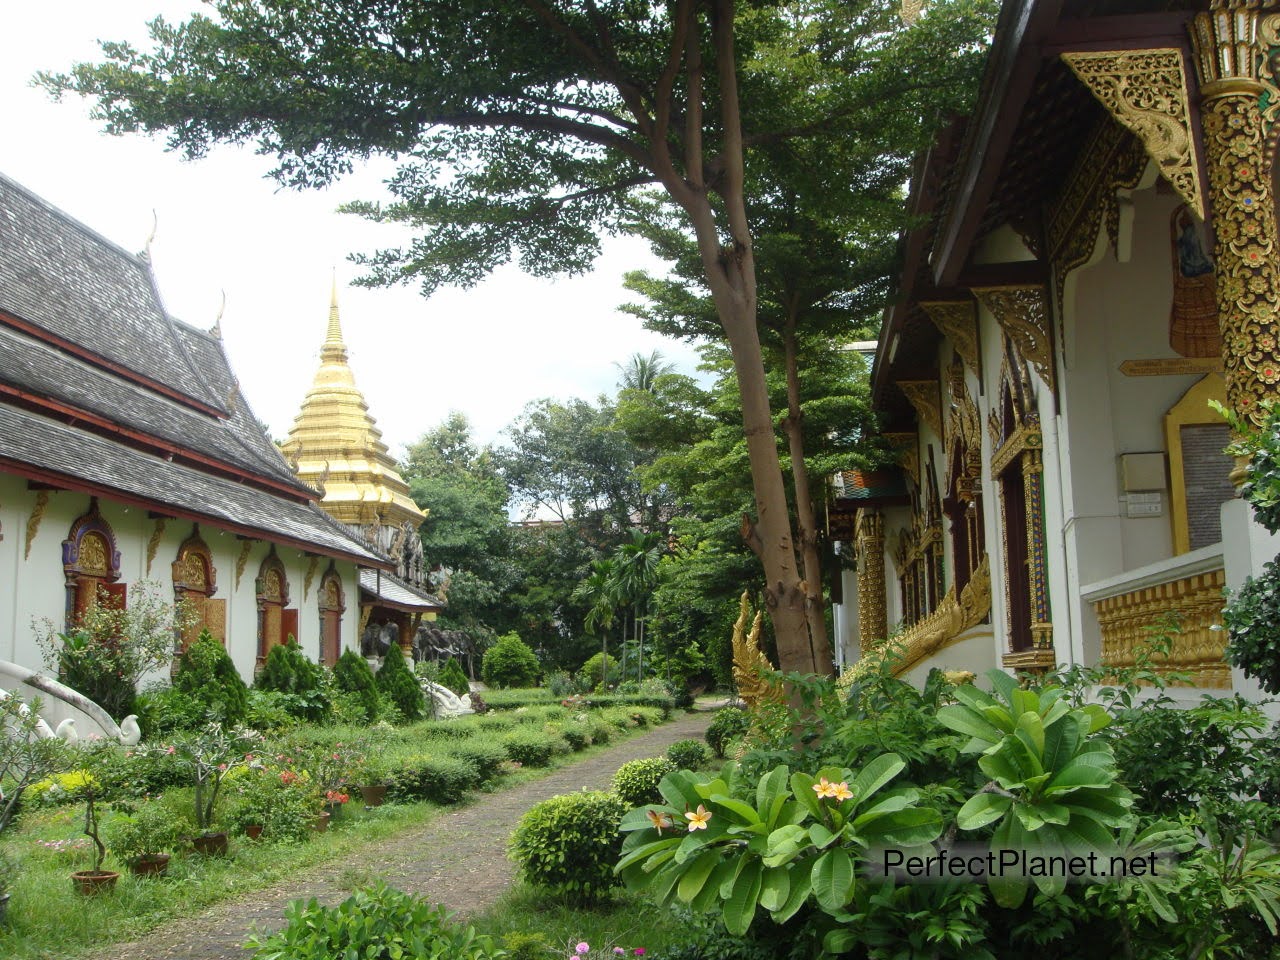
pixel 729 724
pixel 351 674
pixel 164 710
pixel 288 671
pixel 578 735
pixel 453 677
pixel 207 674
pixel 687 754
pixel 399 686
pixel 530 748
pixel 441 780
pixel 518 697
pixel 636 782
pixel 510 663
pixel 568 845
pixel 487 756
pixel 589 673
pixel 601 730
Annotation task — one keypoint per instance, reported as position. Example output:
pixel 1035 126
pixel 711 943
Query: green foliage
pixel 111 648
pixel 283 802
pixel 151 828
pixel 567 844
pixel 728 724
pixel 207 675
pixel 687 754
pixel 399 687
pixel 288 671
pixel 25 757
pixel 599 672
pixel 377 923
pixel 442 779
pixel 487 756
pixel 532 748
pixel 510 663
pixel 636 781
pixel 799 842
pixel 271 712
pixel 351 674
pixel 451 676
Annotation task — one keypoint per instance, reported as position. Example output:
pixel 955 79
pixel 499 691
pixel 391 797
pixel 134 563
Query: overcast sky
pixel 223 228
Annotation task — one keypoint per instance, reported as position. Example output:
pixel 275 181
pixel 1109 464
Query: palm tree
pixel 599 590
pixel 641 372
pixel 636 574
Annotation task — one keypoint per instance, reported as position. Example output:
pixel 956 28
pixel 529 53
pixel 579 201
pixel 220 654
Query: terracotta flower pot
pixel 92 882
pixel 374 795
pixel 150 865
pixel 253 831
pixel 211 844
pixel 321 823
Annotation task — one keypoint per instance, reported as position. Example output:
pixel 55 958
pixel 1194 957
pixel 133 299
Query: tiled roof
pixel 871 484
pixel 391 591
pixel 66 280
pixel 66 456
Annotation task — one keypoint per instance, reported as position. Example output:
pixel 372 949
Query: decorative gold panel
pixel 907 447
pixel 1128 619
pixel 1023 315
pixel 93 555
pixel 310 576
pixel 957 320
pixel 952 617
pixel 153 544
pixel 33 522
pixel 1146 91
pixel 923 395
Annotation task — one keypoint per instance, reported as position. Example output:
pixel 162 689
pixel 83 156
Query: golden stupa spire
pixel 338 447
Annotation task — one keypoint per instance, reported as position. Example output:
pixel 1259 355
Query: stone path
pixel 458 859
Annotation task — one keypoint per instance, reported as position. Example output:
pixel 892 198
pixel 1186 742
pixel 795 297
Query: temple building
pixel 128 453
pixel 337 449
pixel 1094 261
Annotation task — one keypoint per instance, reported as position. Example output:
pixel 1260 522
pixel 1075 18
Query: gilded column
pixel 873 621
pixel 1244 221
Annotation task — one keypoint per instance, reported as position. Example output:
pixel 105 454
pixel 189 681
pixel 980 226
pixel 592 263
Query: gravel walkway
pixel 458 859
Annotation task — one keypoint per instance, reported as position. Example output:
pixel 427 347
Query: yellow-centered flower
pixel 824 788
pixel 840 791
pixel 658 819
pixel 698 818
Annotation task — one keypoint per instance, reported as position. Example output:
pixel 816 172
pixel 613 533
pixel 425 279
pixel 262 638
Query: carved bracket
pixel 1146 91
pixel 924 398
pixel 958 321
pixel 1023 315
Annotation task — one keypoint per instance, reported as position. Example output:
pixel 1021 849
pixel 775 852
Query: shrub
pixel 687 754
pixel 166 710
pixel 576 734
pixel 636 782
pixel 568 844
pixel 452 676
pixel 269 711
pixel 441 780
pixel 486 755
pixel 590 672
pixel 601 730
pixel 150 829
pixel 282 801
pixel 530 748
pixel 728 724
pixel 206 672
pixel 399 686
pixel 288 671
pixel 139 773
pixel 378 923
pixel 351 675
pixel 510 663
pixel 561 685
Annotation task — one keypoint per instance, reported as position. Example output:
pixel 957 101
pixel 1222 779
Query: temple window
pixel 91 566
pixel 332 607
pixel 276 620
pixel 195 581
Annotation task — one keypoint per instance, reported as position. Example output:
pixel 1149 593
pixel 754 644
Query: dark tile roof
pixel 65 455
pixel 871 485
pixel 58 275
pixel 393 591
pixel 38 368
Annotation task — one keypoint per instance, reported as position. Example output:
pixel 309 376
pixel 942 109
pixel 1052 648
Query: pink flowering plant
pixel 208 755
pixel 772 845
pixel 582 950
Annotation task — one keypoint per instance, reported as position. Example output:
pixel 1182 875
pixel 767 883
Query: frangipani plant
pixel 802 837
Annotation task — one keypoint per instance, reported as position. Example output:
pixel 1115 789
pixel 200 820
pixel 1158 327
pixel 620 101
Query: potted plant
pixel 208 756
pixel 332 768
pixel 277 800
pixel 89 787
pixel 144 838
pixel 373 776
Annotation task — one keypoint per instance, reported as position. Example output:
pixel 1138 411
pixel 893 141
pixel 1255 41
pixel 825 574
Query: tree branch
pixel 548 123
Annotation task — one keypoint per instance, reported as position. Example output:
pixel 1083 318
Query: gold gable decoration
pixel 751 668
pixel 957 320
pixel 923 395
pixel 1023 315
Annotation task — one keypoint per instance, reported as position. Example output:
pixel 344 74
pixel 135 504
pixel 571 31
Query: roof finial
pixel 216 329
pixel 155 226
pixel 334 348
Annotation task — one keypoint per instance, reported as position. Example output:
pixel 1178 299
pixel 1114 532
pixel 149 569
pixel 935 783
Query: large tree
pixel 522 127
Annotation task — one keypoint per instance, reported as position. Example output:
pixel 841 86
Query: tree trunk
pixel 805 518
